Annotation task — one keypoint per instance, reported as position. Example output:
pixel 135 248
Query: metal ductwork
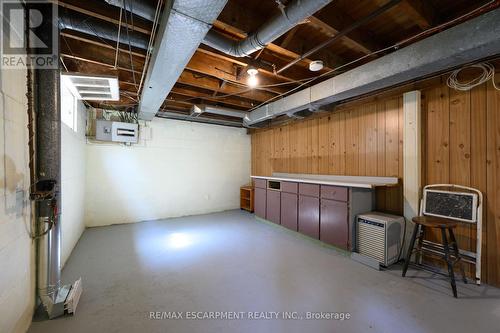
pixel 183 25
pixel 197 110
pixel 44 94
pixel 294 13
pixel 78 22
pixel 468 42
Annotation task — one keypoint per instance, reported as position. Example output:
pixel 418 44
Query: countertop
pixel 337 180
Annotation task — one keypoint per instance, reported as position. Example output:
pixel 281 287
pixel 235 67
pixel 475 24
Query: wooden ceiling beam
pixel 237 102
pixel 209 83
pixel 330 20
pixel 264 67
pixel 227 71
pixel 420 11
pixel 72 47
pixel 83 38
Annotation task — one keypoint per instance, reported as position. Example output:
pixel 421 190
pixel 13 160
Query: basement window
pixel 69 108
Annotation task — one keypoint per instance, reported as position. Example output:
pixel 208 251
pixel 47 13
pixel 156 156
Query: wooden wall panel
pixel 493 184
pixel 461 145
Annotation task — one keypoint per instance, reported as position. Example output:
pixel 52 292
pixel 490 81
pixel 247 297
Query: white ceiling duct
pixel 199 109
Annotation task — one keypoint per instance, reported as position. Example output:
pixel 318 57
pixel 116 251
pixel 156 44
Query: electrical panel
pixel 115 131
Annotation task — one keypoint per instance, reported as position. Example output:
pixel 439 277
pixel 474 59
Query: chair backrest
pixel 451 201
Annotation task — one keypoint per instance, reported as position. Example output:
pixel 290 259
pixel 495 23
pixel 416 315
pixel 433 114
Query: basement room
pixel 249 166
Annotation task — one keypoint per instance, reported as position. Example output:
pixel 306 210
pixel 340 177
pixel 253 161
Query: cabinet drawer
pixel 260 183
pixel 334 192
pixel 289 187
pixel 309 189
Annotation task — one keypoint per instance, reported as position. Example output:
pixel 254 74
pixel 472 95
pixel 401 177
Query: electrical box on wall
pixel 115 131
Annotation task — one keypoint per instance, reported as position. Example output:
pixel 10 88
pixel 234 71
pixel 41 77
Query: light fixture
pixel 252 79
pixel 92 87
pixel 316 65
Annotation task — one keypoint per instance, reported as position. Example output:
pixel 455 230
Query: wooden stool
pixel 423 222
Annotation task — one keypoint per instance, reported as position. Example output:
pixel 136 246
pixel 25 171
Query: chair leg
pixel 410 248
pixel 420 236
pixel 448 261
pixel 457 254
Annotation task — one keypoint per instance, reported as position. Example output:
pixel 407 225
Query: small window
pixel 69 112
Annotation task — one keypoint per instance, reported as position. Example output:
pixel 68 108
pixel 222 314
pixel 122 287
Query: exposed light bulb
pixel 252 81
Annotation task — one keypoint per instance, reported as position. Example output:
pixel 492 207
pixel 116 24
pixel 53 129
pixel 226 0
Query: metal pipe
pixel 179 116
pixel 101 29
pixel 341 34
pixel 293 14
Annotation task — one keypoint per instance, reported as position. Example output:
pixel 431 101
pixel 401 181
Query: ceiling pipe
pixel 179 116
pixel 196 110
pixel 294 13
pixel 105 30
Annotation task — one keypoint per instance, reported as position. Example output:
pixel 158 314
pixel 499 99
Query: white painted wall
pixel 186 169
pixel 17 274
pixel 72 182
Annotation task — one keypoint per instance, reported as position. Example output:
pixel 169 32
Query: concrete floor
pixel 231 262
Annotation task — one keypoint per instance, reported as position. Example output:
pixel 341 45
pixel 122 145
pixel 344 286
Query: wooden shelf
pixel 246 198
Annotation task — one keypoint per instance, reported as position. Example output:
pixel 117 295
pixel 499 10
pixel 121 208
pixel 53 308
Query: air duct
pixel 55 297
pixel 470 41
pixel 183 25
pixel 294 13
pixel 196 110
pixel 78 22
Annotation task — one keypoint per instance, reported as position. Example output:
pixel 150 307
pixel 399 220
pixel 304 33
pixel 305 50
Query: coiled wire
pixel 488 73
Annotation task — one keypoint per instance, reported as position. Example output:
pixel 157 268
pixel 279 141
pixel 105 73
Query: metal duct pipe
pixel 293 14
pixel 44 97
pixel 48 146
pixel 196 110
pixel 183 25
pixel 102 29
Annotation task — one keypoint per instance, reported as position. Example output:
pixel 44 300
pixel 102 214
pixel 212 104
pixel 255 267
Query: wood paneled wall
pixel 462 141
pixel 362 140
pixel 461 146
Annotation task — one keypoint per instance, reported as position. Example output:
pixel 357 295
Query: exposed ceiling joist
pixel 422 12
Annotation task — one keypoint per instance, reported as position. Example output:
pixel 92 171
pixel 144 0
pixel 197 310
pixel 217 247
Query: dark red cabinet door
pixel 273 205
pixel 260 202
pixel 309 216
pixel 334 223
pixel 289 210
